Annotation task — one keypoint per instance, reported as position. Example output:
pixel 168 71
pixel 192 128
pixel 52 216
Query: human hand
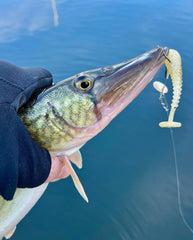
pixel 58 170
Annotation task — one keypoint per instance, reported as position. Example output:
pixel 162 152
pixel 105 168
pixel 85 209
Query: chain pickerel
pixel 67 115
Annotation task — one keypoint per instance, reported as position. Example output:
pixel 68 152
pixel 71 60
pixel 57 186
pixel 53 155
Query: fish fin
pixel 75 178
pixel 10 233
pixel 76 158
pixel 166 73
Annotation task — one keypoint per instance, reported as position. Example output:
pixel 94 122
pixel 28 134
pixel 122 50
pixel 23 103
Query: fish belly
pixel 13 211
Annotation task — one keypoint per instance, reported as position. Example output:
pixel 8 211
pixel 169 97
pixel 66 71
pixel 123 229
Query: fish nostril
pixel 81 78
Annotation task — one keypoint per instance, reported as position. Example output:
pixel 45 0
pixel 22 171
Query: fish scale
pixel 52 124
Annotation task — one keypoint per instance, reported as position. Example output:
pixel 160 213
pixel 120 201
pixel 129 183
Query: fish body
pixel 13 211
pixel 67 115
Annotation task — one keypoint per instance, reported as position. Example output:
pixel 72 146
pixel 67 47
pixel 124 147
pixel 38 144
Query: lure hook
pixel 167 58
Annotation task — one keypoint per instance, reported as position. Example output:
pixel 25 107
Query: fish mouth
pixel 126 80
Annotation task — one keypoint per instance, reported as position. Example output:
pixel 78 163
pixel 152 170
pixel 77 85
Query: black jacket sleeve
pixel 23 163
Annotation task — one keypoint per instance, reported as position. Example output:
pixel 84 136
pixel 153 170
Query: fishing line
pixel 164 104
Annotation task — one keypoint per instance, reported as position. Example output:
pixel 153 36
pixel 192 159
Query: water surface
pixel 128 172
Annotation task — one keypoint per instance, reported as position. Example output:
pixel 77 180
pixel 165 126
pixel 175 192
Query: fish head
pixel 67 115
pixel 76 109
pixel 101 94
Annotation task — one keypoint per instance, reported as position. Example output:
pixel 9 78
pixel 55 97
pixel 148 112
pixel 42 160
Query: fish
pixel 65 116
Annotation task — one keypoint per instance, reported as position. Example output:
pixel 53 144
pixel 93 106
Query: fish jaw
pixel 126 83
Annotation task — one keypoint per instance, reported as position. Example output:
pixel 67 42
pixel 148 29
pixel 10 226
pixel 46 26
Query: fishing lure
pixel 160 87
pixel 174 68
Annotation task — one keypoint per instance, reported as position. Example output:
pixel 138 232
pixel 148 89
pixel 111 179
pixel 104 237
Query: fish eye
pixel 84 83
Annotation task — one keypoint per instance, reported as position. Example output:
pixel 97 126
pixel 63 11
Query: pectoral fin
pixel 76 158
pixel 75 178
pixel 10 234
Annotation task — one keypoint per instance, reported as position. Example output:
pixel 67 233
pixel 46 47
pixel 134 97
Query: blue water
pixel 128 172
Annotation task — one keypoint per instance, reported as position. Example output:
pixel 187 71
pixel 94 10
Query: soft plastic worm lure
pixel 174 68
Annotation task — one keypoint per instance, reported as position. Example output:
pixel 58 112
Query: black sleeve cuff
pixel 24 163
